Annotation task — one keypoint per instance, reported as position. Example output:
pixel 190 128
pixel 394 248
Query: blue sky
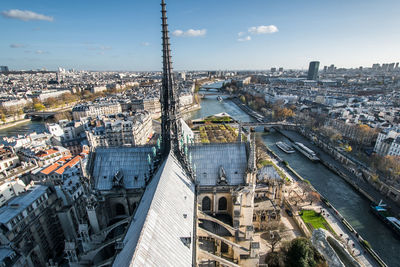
pixel 207 34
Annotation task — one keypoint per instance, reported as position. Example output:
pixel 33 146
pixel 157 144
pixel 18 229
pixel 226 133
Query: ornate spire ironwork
pixel 171 129
pixel 170 115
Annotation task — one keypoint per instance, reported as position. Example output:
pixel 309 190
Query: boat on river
pixel 285 147
pixel 310 154
pixel 384 215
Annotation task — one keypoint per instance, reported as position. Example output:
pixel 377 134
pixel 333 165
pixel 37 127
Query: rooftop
pixel 160 233
pixel 16 205
pixel 131 162
pixel 208 159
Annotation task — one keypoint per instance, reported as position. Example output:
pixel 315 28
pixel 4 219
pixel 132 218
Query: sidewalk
pixel 346 237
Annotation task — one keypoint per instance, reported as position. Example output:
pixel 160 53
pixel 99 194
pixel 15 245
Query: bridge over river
pixel 41 115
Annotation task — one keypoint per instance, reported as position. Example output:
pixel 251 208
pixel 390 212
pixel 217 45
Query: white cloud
pixel 41 52
pixel 255 31
pixel 178 33
pixel 145 44
pixel 17 45
pixel 263 29
pixel 245 39
pixel 190 33
pixel 25 15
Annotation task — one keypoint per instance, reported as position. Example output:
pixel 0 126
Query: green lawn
pixel 314 220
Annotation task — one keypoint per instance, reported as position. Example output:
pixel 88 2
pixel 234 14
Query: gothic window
pixel 206 204
pixel 224 248
pixel 119 209
pixel 222 204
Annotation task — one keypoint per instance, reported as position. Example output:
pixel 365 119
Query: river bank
pixel 340 225
pixel 357 182
pixel 13 124
pixel 352 206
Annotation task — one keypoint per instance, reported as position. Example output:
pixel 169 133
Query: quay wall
pixel 328 205
pixel 339 173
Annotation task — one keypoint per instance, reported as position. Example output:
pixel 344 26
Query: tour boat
pixel 306 151
pixel 285 147
pixel 386 216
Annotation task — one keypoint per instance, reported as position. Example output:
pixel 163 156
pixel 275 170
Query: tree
pixel 275 239
pixel 313 197
pixel 67 115
pixel 272 235
pixel 275 259
pixel 348 148
pixel 49 102
pixel 39 107
pixel 301 253
pixel 305 187
pixel 282 113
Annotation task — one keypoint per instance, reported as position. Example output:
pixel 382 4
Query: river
pixel 24 128
pixel 351 204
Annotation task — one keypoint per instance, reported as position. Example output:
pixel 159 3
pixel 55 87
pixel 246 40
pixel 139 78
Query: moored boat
pixel 310 154
pixel 285 147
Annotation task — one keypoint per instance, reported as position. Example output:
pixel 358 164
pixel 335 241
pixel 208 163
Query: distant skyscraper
pixel 397 65
pixel 3 69
pixel 313 70
pixel 273 69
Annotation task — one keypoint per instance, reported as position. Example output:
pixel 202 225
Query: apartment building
pixel 120 130
pixel 95 109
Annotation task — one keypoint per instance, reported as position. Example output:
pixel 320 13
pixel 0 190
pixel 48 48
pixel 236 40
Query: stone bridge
pixel 40 115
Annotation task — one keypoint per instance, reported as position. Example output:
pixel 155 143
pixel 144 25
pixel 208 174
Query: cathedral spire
pixel 170 115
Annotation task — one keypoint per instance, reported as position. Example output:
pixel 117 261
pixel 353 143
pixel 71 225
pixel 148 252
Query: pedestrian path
pixel 349 240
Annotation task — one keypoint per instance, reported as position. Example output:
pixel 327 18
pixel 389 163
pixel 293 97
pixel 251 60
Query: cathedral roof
pixel 131 162
pixel 209 158
pixel 161 231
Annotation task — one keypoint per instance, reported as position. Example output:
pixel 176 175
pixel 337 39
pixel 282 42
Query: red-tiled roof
pixel 46 153
pixel 50 169
pixel 71 163
pixel 64 159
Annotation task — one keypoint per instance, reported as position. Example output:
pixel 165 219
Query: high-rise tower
pixel 170 114
pixel 313 70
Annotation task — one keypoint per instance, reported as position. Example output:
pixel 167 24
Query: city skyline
pixel 205 35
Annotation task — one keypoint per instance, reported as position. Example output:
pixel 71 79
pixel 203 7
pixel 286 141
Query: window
pixel 206 204
pixel 222 203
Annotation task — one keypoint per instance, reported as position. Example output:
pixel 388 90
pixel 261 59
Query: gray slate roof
pixel 19 203
pixel 131 161
pixel 209 157
pixel 163 218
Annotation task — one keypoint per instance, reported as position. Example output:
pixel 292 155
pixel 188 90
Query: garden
pixel 217 133
pixel 315 220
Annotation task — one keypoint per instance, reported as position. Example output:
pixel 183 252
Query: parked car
pixel 289 212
